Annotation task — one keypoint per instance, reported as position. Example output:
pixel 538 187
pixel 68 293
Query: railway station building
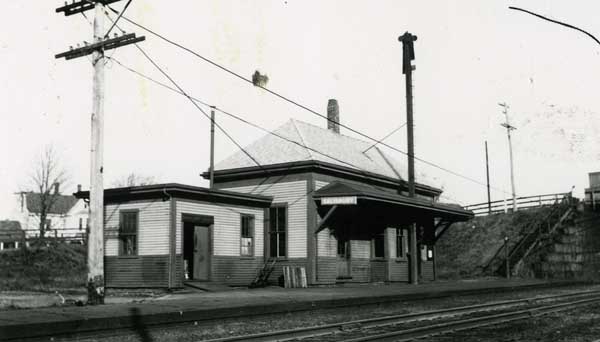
pixel 336 205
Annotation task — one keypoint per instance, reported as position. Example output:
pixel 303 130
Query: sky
pixel 470 56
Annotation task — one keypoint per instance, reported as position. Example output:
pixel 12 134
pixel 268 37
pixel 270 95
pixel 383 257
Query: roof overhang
pixel 176 190
pixel 315 166
pixel 373 203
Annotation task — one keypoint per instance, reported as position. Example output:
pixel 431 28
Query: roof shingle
pixel 320 144
pixel 61 206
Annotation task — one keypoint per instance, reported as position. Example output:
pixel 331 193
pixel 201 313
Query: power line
pixel 188 96
pixel 296 103
pixel 556 22
pixel 241 119
pixel 387 136
pixel 237 117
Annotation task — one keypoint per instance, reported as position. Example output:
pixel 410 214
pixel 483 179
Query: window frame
pixel 402 233
pixel 137 233
pixel 430 248
pixel 252 233
pixel 268 232
pixel 374 244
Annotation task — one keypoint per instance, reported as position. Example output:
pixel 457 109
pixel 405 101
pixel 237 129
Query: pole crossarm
pixel 81 6
pixel 507 126
pixel 107 44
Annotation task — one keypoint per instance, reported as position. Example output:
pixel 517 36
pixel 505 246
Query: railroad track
pixel 418 325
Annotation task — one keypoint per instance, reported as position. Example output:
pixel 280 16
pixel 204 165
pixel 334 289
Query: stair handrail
pixel 499 250
pixel 536 231
pixel 563 217
pixel 565 199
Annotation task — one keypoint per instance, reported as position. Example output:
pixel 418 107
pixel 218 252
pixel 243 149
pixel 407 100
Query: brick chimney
pixel 57 188
pixel 333 116
pixel 78 187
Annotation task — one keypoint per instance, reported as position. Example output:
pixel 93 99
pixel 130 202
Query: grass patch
pixel 57 266
pixel 463 251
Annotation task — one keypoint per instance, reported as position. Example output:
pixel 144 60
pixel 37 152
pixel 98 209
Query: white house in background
pixel 68 217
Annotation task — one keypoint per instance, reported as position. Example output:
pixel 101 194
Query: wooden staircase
pixel 533 232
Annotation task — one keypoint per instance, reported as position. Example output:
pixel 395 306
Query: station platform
pixel 203 306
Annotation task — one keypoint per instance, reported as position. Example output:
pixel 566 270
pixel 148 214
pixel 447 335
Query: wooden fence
pixel 17 239
pixel 526 202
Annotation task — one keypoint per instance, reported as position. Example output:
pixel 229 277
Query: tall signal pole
pixel 100 43
pixel 408 55
pixel 509 128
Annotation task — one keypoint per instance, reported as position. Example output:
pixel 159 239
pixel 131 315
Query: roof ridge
pixel 304 144
pixel 330 132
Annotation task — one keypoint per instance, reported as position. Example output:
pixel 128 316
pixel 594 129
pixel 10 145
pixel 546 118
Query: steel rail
pixel 472 323
pixel 321 330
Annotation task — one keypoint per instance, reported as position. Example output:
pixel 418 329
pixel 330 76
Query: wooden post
pixel 212 146
pixel 95 277
pixel 506 257
pixel 408 54
pixel 487 171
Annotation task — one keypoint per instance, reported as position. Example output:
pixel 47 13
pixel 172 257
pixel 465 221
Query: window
pixel 401 242
pixel 48 224
pixel 379 246
pixel 247 235
pixel 9 245
pixel 278 232
pixel 80 223
pixel 128 233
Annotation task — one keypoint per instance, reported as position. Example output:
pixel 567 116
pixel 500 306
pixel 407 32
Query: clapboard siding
pixel 360 249
pixel 361 270
pixel 141 271
pixel 226 228
pixel 326 243
pixel 326 270
pixel 235 270
pixel 178 281
pixel 294 193
pixel 427 270
pixel 398 270
pixel 378 270
pixel 153 230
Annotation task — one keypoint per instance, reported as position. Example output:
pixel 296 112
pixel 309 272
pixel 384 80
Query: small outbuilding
pixel 163 235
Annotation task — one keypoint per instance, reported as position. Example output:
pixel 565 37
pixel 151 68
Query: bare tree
pixel 46 177
pixel 133 179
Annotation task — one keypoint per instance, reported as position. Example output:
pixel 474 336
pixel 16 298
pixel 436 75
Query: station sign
pixel 341 200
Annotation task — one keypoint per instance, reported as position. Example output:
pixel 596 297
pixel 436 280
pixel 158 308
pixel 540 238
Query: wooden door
pixel 343 259
pixel 201 252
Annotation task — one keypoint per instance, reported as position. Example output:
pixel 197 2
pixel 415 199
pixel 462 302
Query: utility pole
pixel 487 172
pixel 408 55
pixel 101 42
pixel 512 174
pixel 212 146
